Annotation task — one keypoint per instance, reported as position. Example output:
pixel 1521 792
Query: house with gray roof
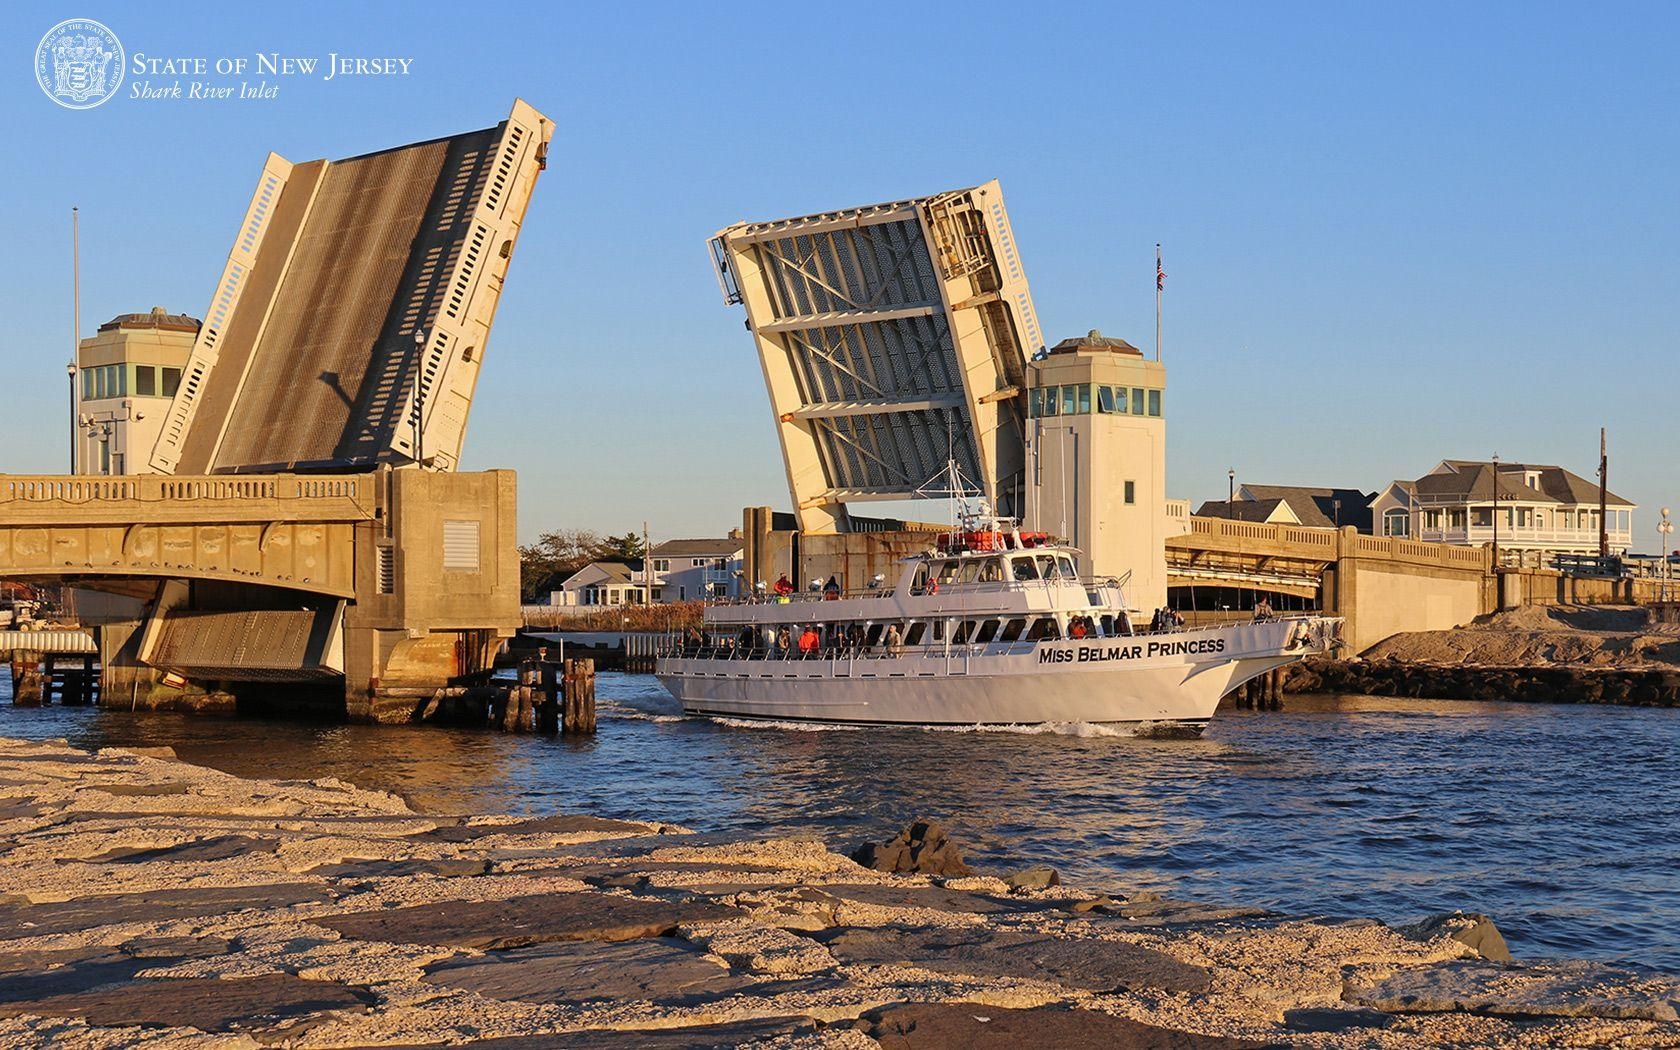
pixel 1317 508
pixel 1541 508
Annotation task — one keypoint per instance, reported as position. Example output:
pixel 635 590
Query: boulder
pixel 920 849
pixel 1039 878
pixel 1476 932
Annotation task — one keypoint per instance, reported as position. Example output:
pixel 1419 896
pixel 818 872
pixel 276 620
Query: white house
pixel 694 570
pixel 1544 509
pixel 602 583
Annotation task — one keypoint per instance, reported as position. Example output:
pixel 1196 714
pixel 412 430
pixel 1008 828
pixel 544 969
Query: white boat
pixel 993 627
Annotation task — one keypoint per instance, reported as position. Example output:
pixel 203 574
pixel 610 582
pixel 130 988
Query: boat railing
pixel 885 591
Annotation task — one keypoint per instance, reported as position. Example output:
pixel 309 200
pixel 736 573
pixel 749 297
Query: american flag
pixel 1160 274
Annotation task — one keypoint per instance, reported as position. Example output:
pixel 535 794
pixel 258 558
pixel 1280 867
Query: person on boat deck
pixel 809 641
pixel 831 590
pixel 894 639
pixel 692 642
pixel 783 586
pixel 1077 628
pixel 782 641
pixel 744 640
pixel 1175 620
pixel 1263 610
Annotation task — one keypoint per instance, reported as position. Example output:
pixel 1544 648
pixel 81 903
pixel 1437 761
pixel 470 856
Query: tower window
pixel 1155 403
pixel 1131 492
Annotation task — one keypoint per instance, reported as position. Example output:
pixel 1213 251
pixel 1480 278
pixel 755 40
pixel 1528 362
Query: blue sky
pixel 1394 233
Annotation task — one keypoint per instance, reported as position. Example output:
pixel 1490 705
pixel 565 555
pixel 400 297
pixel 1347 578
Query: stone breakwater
pixel 1537 683
pixel 147 900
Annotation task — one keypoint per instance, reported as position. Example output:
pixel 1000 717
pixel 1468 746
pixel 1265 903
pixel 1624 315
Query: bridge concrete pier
pixel 348 595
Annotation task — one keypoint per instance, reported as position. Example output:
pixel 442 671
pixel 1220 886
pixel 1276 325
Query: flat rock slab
pixel 1155 911
pixel 1327 1019
pixel 704 1037
pixel 932 897
pixel 448 867
pixel 33 920
pixel 532 919
pixel 1566 989
pixel 141 790
pixel 218 847
pixel 565 824
pixel 207 1003
pixel 29 976
pixel 972 1026
pixel 1092 965
pixel 659 969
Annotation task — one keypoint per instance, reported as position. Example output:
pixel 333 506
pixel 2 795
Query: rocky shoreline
pixel 1532 683
pixel 146 899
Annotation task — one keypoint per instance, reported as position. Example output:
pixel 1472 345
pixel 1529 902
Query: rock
pixel 142 790
pixel 207 1003
pixel 534 919
pixel 973 1026
pixel 698 1037
pixel 1091 965
pixel 1039 878
pixel 561 824
pixel 1329 1019
pixel 159 751
pixel 935 897
pixel 662 970
pixel 34 920
pixel 445 867
pixel 1565 989
pixel 920 849
pixel 217 847
pixel 1091 904
pixel 1474 931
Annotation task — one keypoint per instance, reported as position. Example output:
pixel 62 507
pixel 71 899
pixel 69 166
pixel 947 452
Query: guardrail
pixel 26 498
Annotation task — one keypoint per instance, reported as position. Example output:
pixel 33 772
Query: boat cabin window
pixel 873 636
pixel 1108 626
pixel 1024 568
pixel 948 572
pixel 939 630
pixel 991 571
pixel 988 631
pixel 964 631
pixel 1047 566
pixel 970 571
pixel 1012 630
pixel 1045 628
pixel 1065 565
pixel 913 636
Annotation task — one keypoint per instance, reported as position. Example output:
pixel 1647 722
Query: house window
pixel 1131 492
pixel 1397 523
pixel 1481 517
pixel 695 563
pixel 661 565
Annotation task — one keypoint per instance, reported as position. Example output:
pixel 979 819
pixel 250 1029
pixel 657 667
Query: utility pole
pixel 1664 528
pixel 75 320
pixel 647 564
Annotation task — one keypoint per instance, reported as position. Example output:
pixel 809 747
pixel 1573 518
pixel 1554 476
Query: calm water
pixel 1561 822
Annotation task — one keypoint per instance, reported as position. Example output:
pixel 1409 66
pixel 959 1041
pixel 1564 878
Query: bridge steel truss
pixel 893 338
pixel 358 297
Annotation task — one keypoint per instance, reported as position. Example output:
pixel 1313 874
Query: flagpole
pixel 1159 280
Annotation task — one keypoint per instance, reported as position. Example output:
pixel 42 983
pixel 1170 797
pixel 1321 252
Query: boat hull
pixel 1173 678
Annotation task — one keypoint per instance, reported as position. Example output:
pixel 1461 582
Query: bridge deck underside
pixel 316 364
pixel 858 312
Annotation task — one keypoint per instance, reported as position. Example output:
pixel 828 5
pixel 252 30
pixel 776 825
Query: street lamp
pixel 1231 496
pixel 1496 512
pixel 70 370
pixel 419 396
pixel 1665 527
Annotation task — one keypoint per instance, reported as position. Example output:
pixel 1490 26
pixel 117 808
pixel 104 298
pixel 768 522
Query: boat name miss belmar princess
pixel 993 626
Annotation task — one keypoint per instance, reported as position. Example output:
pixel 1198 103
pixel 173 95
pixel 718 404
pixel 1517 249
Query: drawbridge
pixel 351 319
pixel 894 339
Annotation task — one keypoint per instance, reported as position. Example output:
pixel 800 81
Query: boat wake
pixel 1085 730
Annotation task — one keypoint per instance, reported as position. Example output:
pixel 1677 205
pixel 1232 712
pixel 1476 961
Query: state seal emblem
pixel 79 63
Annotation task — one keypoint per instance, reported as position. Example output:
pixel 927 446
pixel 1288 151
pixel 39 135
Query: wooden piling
pixel 26 678
pixel 577 697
